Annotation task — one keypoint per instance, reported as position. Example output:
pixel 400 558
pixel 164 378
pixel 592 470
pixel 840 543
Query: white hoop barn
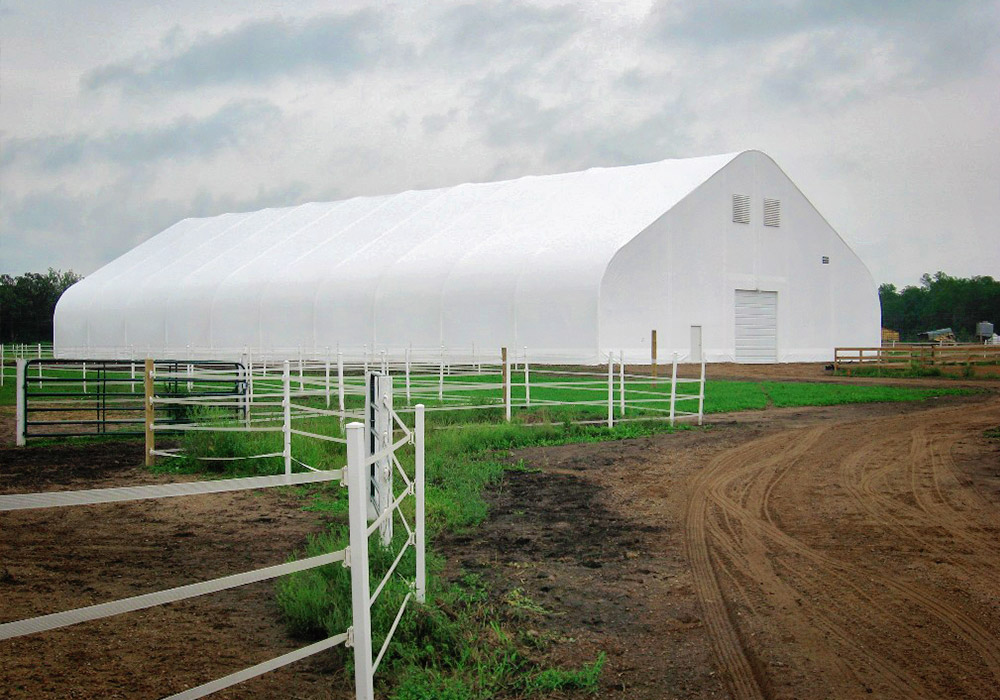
pixel 723 256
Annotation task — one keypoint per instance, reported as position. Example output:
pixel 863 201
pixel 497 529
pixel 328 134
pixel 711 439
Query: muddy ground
pixel 834 552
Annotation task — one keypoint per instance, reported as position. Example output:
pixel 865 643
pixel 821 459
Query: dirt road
pixel 852 558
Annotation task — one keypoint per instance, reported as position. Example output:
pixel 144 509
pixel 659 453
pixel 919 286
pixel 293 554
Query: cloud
pixel 83 231
pixel 502 30
pixel 927 39
pixel 255 52
pixel 185 137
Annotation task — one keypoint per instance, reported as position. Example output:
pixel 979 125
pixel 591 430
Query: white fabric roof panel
pixel 513 263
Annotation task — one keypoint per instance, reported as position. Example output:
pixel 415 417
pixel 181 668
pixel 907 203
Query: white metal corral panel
pixel 756 326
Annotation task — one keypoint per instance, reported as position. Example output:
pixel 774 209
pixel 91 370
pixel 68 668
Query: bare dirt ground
pixel 839 552
pixel 834 552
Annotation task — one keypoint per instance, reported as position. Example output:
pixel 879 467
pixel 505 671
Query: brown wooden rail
pixel 901 356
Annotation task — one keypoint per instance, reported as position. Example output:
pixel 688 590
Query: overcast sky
pixel 120 117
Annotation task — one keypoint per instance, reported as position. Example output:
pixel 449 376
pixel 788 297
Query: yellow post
pixel 148 386
pixel 652 350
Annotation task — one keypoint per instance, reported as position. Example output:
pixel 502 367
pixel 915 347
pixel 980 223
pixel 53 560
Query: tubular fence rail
pixel 371 465
pixel 66 397
pixel 901 356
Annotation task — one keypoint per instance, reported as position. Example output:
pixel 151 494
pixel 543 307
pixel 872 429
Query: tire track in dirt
pixel 743 681
pixel 735 530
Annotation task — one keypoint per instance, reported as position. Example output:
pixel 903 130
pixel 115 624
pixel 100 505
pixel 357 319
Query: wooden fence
pixel 904 357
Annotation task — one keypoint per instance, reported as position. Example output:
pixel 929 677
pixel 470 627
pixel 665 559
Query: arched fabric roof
pixel 514 263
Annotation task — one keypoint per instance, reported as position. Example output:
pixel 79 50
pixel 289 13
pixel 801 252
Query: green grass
pixel 460 644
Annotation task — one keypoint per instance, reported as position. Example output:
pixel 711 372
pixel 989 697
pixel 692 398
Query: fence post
pixel 441 376
pixel 506 383
pixel 701 393
pixel 84 377
pixel 3 366
pixel 527 379
pixel 406 354
pixel 326 377
pixel 621 383
pixel 286 403
pixel 611 390
pixel 340 384
pixel 383 429
pixel 673 389
pixel 150 413
pixel 418 481
pixel 22 412
pixel 357 500
pixel 302 384
pixel 652 350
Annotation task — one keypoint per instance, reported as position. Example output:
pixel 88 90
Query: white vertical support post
pixel 527 379
pixel 701 392
pixel 39 366
pixel 364 354
pixel 326 377
pixel 360 633
pixel 302 384
pixel 385 362
pixel 506 383
pixel 441 375
pixel 190 373
pixel 286 404
pixel 340 383
pixel 621 383
pixel 611 390
pixel 383 468
pixel 131 375
pixel 3 366
pixel 420 582
pixel 149 411
pixel 673 390
pixel 84 373
pixel 21 408
pixel 39 351
pixel 249 382
pixel 407 360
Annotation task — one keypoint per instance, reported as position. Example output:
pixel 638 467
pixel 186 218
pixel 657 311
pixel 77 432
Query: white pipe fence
pixel 356 475
pixel 443 383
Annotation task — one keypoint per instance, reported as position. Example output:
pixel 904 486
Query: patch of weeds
pixel 521 468
pixel 552 679
pixel 992 433
pixel 519 600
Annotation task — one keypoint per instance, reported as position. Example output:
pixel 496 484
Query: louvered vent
pixel 826 260
pixel 772 212
pixel 741 208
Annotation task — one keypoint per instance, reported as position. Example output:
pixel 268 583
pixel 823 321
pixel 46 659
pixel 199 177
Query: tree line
pixel 28 302
pixel 940 301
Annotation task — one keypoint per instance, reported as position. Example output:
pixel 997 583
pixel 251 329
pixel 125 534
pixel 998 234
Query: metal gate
pixel 67 398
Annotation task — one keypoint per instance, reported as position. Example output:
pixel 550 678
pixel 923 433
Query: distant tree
pixel 28 302
pixel 940 301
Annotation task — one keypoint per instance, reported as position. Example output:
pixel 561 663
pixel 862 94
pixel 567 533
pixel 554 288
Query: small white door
pixel 756 326
pixel 695 343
